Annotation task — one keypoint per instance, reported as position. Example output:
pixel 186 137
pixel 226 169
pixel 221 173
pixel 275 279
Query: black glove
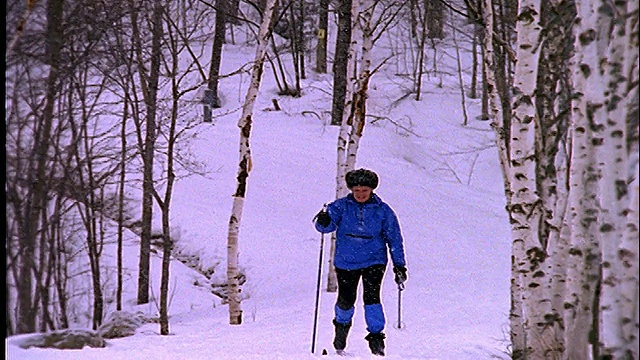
pixel 401 274
pixel 322 218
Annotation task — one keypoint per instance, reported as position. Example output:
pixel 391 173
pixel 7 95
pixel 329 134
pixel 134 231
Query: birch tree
pixel 583 263
pixel 553 108
pixel 613 167
pixel 629 275
pixel 244 166
pixel 343 133
pixel 525 211
pixel 516 315
pixel 357 116
pixel 629 249
pixel 363 39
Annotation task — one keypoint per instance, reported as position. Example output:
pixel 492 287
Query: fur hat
pixel 361 177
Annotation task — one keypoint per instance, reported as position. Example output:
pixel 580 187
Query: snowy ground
pixel 442 179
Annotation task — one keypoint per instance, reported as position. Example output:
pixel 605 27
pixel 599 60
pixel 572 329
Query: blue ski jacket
pixel 364 232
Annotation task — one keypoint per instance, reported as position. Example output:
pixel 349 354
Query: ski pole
pixel 315 317
pixel 400 288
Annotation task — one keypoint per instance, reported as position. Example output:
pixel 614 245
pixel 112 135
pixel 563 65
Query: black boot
pixel 342 330
pixel 376 343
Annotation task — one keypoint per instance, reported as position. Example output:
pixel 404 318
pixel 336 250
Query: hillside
pixel 442 179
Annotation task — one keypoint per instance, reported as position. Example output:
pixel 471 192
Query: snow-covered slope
pixel 442 179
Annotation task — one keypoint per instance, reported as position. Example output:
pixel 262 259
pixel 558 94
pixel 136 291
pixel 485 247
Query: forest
pixel 101 97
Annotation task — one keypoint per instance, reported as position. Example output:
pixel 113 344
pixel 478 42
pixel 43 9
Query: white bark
pixel 629 250
pixel 558 248
pixel 612 158
pixel 347 115
pixel 492 91
pixel 584 254
pixel 361 84
pixel 630 296
pixel 344 134
pixel 526 211
pixel 516 314
pixel 619 218
pixel 244 168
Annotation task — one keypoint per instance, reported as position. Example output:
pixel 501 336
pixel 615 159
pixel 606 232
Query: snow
pixel 442 179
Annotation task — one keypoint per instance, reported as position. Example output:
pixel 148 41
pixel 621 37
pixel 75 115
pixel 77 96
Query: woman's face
pixel 361 193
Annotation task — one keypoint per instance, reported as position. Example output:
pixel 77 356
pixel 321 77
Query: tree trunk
pixel 361 84
pixel 629 249
pixel 552 122
pixel 473 92
pixel 490 93
pixel 435 18
pixel 167 242
pixel 583 266
pixel 244 167
pixel 211 97
pixel 422 40
pixel 344 133
pixel 526 212
pixel 302 44
pixel 322 35
pixel 165 203
pixel 516 315
pixel 583 262
pixel 121 190
pixel 36 199
pixel 296 43
pixel 149 84
pixel 629 277
pixel 612 164
pixel 341 58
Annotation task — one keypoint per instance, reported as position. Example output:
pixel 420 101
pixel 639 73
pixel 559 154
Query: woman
pixel 366 229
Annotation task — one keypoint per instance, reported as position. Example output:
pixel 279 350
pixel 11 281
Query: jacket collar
pixel 374 199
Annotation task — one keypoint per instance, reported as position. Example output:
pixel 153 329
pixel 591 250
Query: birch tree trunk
pixel 516 314
pixel 630 241
pixel 489 78
pixel 525 210
pixel 583 266
pixel 552 123
pixel 612 163
pixel 629 276
pixel 343 134
pixel 244 167
pixel 361 84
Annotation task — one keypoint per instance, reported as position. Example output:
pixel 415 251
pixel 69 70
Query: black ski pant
pixel 348 281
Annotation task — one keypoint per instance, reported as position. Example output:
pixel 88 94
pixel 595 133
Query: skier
pixel 366 228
